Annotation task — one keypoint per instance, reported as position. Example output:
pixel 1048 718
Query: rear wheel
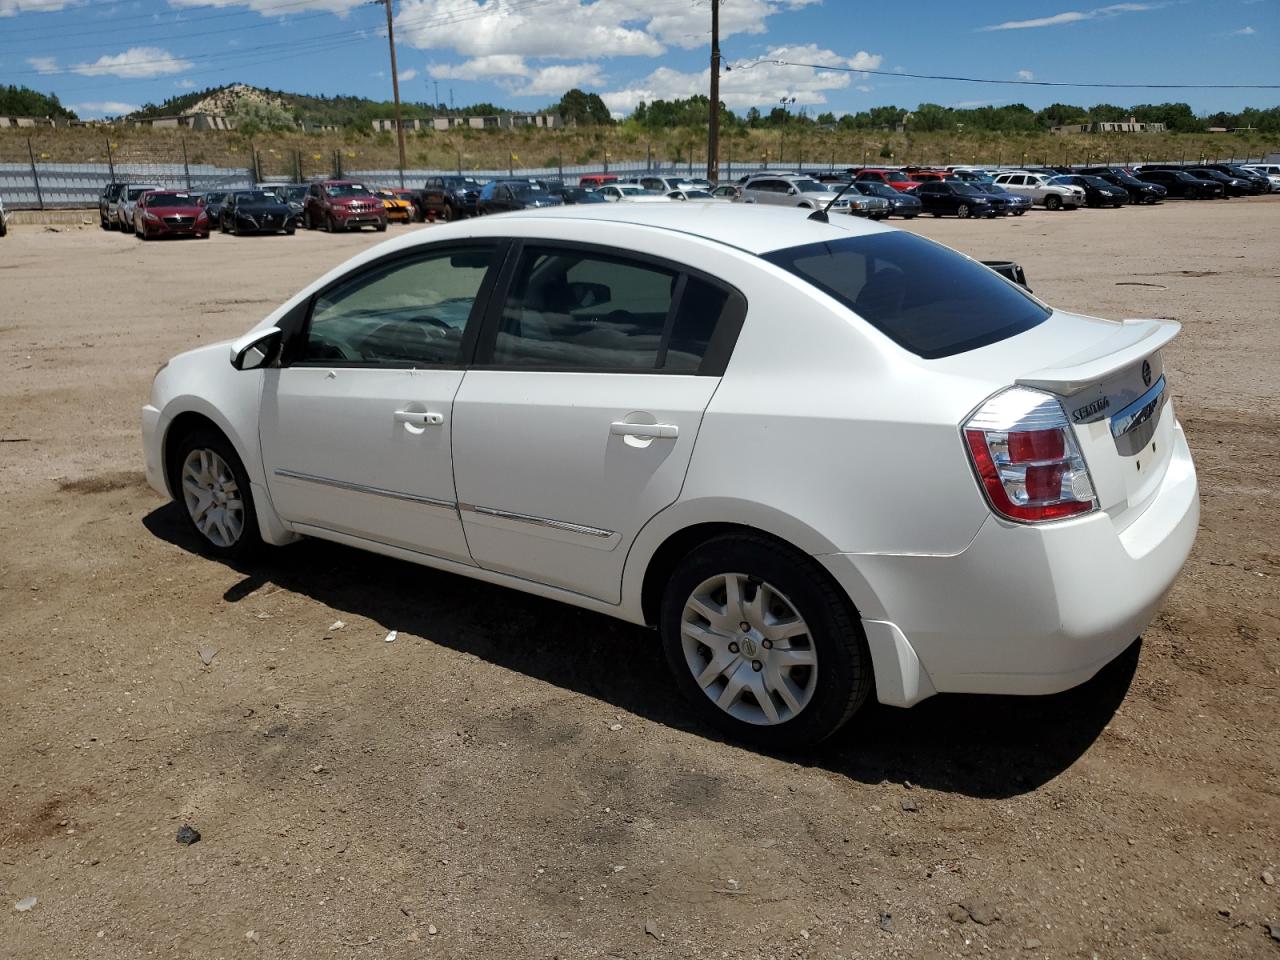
pixel 447 214
pixel 1053 202
pixel 213 486
pixel 382 227
pixel 764 646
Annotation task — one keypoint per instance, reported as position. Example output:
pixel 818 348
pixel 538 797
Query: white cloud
pixel 756 84
pixel 44 64
pixel 1244 32
pixel 518 77
pixel 1074 16
pixel 107 108
pixel 275 8
pixel 1026 75
pixel 184 84
pixel 555 80
pixel 404 76
pixel 481 68
pixel 11 8
pixel 133 63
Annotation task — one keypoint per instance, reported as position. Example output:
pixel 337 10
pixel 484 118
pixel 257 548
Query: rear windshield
pixel 924 297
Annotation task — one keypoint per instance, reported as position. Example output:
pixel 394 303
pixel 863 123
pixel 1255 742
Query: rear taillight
pixel 1025 454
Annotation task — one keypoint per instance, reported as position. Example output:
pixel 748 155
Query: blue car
pixel 1017 204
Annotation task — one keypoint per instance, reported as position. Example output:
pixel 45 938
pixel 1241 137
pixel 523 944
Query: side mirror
pixel 257 349
pixel 792 192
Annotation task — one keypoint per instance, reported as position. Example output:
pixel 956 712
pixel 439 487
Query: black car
pixel 1260 183
pixel 952 196
pixel 1139 190
pixel 106 204
pixel 1182 185
pixel 1097 192
pixel 213 201
pixel 900 204
pixel 1232 186
pixel 256 211
pixel 449 197
pixel 294 194
pixel 1018 204
pixel 499 196
pixel 576 195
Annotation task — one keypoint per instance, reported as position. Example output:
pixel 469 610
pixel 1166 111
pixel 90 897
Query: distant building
pixel 187 121
pixel 45 122
pixel 1104 126
pixel 1231 129
pixel 499 122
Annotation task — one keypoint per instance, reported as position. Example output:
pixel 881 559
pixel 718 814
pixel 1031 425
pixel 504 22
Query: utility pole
pixel 713 121
pixel 437 103
pixel 395 87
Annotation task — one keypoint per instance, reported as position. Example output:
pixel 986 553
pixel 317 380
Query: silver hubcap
pixel 748 649
pixel 212 497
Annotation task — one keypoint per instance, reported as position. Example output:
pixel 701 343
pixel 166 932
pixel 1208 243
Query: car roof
pixel 749 227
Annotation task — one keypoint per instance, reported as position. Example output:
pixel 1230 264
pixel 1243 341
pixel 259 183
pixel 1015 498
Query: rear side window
pixel 927 299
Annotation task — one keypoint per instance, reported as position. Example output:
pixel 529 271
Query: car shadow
pixel 981 746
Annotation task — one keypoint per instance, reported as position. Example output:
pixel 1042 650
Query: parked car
pixel 169 213
pixel 563 407
pixel 692 193
pixel 295 195
pixel 725 191
pixel 662 184
pixel 578 195
pixel 107 200
pixel 593 181
pixel 502 196
pixel 1097 192
pixel 897 179
pixel 213 201
pixel 792 190
pixel 1015 203
pixel 1139 190
pixel 1260 183
pixel 413 198
pixel 1182 185
pixel 901 204
pixel 965 200
pixel 126 201
pixel 256 211
pixel 929 176
pixel 971 174
pixel 1041 189
pixel 398 209
pixel 1269 171
pixel 1231 186
pixel 449 197
pixel 630 193
pixel 342 205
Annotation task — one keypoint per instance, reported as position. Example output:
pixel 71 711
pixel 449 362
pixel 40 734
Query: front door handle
pixel 651 431
pixel 419 418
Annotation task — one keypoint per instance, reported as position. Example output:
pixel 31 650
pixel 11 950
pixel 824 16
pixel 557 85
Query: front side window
pixel 929 300
pixel 582 310
pixel 404 313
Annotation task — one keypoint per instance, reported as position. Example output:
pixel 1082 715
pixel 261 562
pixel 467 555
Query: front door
pixel 577 423
pixel 357 424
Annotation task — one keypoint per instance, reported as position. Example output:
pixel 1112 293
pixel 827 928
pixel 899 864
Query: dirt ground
pixel 512 778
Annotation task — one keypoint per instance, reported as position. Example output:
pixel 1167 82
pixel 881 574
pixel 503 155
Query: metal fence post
pixel 297 166
pixel 35 176
pixel 111 164
pixel 186 167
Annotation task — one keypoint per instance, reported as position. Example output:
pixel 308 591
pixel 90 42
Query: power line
pixel 1018 83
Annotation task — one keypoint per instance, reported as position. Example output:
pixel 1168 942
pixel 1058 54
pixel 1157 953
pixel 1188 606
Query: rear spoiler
pixel 1132 341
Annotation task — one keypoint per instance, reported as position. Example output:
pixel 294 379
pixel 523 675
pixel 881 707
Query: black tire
pixel 1018 213
pixel 308 221
pixel 844 678
pixel 447 214
pixel 962 211
pixel 382 227
pixel 249 541
pixel 1053 202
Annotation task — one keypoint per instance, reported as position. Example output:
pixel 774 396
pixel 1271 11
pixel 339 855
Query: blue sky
pixel 109 56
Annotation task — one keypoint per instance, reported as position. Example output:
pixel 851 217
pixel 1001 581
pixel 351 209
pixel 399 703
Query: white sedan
pixel 629 193
pixel 824 460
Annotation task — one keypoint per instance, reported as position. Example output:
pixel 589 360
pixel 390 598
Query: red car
pixel 897 179
pixel 594 181
pixel 169 213
pixel 343 205
pixel 926 176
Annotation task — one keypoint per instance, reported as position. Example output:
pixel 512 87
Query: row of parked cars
pixel 149 210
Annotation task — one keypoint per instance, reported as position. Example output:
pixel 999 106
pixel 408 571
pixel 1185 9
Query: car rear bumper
pixel 1022 609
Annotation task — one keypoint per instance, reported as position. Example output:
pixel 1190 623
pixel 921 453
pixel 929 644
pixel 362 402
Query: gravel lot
pixel 514 778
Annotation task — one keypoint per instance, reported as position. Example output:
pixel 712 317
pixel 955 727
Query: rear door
pixel 357 424
pixel 576 424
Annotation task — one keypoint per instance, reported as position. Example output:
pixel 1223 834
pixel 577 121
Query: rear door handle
pixel 653 431
pixel 419 418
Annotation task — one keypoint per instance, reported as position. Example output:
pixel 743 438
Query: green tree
pixel 253 117
pixel 24 102
pixel 584 109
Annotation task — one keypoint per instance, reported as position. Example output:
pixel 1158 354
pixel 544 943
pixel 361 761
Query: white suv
pixel 1041 189
pixel 825 460
pixel 791 190
pixel 1269 170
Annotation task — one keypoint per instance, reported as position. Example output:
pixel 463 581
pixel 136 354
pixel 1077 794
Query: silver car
pixel 792 190
pixel 128 200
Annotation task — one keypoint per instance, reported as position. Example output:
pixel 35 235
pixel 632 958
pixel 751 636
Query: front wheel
pixel 1053 202
pixel 382 227
pixel 1018 213
pixel 962 211
pixel 213 486
pixel 764 645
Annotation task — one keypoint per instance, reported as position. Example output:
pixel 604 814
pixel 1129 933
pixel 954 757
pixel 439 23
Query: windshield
pixel 958 186
pixel 926 298
pixel 133 193
pixel 256 196
pixel 810 186
pixel 214 198
pixel 697 194
pixel 629 190
pixel 172 200
pixel 295 193
pixel 347 190
pixel 523 190
pixel 1062 181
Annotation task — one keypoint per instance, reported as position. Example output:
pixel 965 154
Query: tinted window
pixel 407 313
pixel 582 310
pixel 924 297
